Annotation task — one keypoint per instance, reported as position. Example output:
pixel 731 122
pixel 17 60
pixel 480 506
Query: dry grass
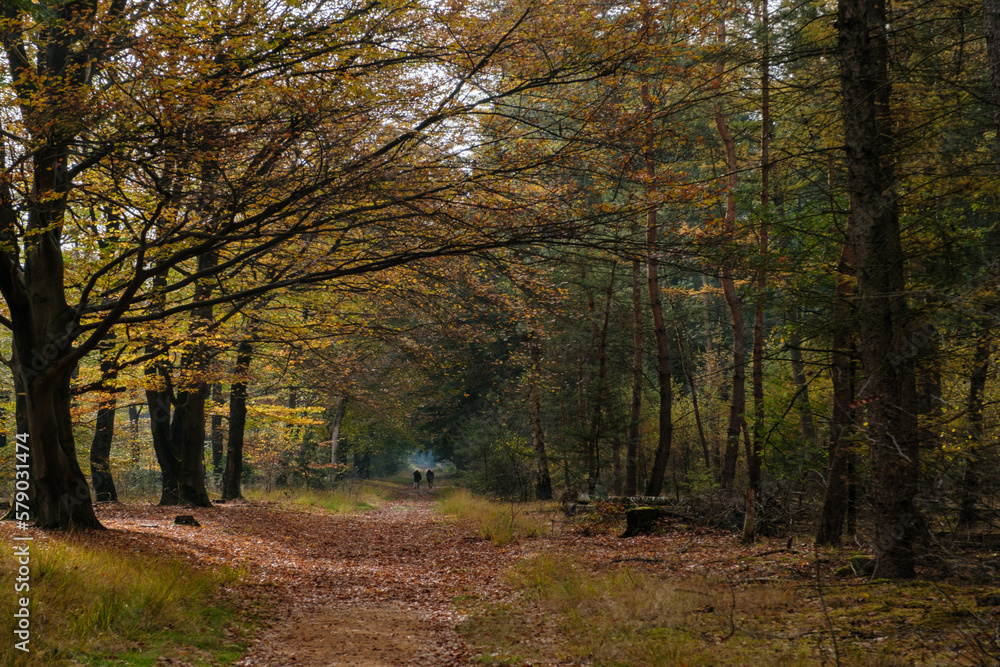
pixel 87 603
pixel 501 523
pixel 623 617
pixel 351 497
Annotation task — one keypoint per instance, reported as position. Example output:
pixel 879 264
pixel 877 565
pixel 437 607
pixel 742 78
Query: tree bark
pixel 756 454
pixel 737 405
pixel 232 479
pixel 104 429
pixel 543 482
pixel 665 428
pixel 842 326
pixel 689 376
pixel 187 431
pixel 218 434
pixel 601 395
pixel 974 468
pixel 883 315
pixel 43 325
pixel 638 375
pixel 991 25
pixel 338 418
pixel 807 425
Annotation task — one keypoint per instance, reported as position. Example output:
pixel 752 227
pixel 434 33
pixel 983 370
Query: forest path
pixel 363 589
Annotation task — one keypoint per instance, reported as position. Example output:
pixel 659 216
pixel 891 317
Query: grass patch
pixel 629 618
pixel 567 613
pixel 500 523
pixel 351 497
pixel 96 606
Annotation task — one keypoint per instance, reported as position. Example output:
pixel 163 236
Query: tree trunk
pixel 638 376
pixel 43 325
pixel 689 376
pixel 737 405
pixel 756 454
pixel 807 425
pixel 232 479
pixel 338 418
pixel 882 310
pixel 969 497
pixel 104 429
pixel 602 398
pixel 187 431
pixel 842 376
pixel 665 430
pixel 991 25
pixel 218 435
pixel 188 436
pixel 158 400
pixel 543 482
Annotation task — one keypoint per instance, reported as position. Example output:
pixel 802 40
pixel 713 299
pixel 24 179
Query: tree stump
pixel 639 520
pixel 186 520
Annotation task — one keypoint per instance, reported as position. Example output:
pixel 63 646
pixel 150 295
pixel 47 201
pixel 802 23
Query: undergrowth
pixel 624 617
pixel 567 612
pixel 95 606
pixel 352 497
pixel 500 523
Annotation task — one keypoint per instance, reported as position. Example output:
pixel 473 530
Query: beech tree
pixel 247 133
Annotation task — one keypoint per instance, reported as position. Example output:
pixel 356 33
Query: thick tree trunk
pixel 882 311
pixel 232 479
pixel 188 428
pixel 100 452
pixel 43 329
pixel 188 435
pixel 62 495
pixel 104 429
pixel 43 325
pixel 159 404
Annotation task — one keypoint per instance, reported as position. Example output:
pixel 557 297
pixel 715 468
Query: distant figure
pixel 430 478
pixel 416 479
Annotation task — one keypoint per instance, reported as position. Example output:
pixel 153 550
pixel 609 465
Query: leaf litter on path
pixel 372 588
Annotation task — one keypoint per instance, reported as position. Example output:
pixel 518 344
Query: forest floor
pixel 403 584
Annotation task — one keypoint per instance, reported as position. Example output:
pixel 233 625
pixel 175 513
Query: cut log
pixel 639 520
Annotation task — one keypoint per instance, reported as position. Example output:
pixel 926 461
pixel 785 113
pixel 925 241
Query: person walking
pixel 430 478
pixel 416 479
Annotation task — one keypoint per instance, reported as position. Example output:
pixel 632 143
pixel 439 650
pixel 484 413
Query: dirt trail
pixel 365 589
